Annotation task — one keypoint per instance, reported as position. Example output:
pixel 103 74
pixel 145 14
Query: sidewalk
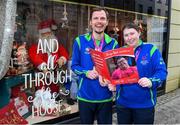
pixel 167 109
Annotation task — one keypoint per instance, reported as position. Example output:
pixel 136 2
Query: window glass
pixel 153 29
pixel 142 6
pixel 93 2
pixel 51 94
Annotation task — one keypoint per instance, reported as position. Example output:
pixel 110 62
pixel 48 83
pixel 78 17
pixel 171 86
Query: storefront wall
pixel 173 81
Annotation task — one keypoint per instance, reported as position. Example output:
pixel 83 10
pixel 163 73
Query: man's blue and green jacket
pixel 90 90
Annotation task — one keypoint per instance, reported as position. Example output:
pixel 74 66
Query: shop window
pixel 166 13
pixel 94 2
pixel 140 6
pixel 37 22
pixel 159 1
pixel 120 4
pixel 167 1
pixel 159 12
pixel 150 10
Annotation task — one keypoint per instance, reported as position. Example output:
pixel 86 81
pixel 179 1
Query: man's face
pixel 99 21
pixel 122 63
pixel 131 37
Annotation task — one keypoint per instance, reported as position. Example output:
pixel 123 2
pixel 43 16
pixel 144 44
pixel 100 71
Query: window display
pixel 39 82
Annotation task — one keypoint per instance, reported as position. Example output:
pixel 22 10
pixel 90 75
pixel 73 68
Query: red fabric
pixel 46 24
pixel 21 103
pixel 130 72
pixel 53 87
pixel 9 115
pixel 39 58
pixel 15 91
pixel 24 97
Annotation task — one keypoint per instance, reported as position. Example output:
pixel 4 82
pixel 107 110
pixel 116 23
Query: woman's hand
pixel 145 82
pixel 103 82
pixel 111 87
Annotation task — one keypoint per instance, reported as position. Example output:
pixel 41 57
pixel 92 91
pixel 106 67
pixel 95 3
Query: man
pixel 94 100
pixel 48 46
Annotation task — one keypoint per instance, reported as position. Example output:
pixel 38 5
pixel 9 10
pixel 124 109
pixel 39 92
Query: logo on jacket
pixel 144 60
pixel 87 51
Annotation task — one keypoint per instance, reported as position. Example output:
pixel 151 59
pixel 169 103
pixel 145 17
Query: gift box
pixel 21 104
pixel 9 115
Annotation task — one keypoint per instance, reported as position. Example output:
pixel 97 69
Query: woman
pixel 135 102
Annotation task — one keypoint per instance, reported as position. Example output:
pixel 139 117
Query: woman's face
pixel 122 63
pixel 131 37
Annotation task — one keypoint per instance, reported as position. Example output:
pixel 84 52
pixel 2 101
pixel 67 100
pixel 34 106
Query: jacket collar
pixel 140 42
pixel 107 38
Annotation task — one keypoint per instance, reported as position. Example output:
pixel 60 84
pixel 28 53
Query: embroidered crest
pixel 144 60
pixel 87 51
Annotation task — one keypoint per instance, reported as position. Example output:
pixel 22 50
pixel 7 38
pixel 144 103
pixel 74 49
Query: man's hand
pixel 60 62
pixel 92 74
pixel 145 82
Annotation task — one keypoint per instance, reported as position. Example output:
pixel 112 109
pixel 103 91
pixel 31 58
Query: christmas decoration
pixel 9 115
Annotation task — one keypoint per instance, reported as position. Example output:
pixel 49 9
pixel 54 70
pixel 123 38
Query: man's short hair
pixel 99 9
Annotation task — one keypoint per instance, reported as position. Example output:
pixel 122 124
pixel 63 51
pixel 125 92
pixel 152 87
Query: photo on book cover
pixel 118 65
pixel 122 69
